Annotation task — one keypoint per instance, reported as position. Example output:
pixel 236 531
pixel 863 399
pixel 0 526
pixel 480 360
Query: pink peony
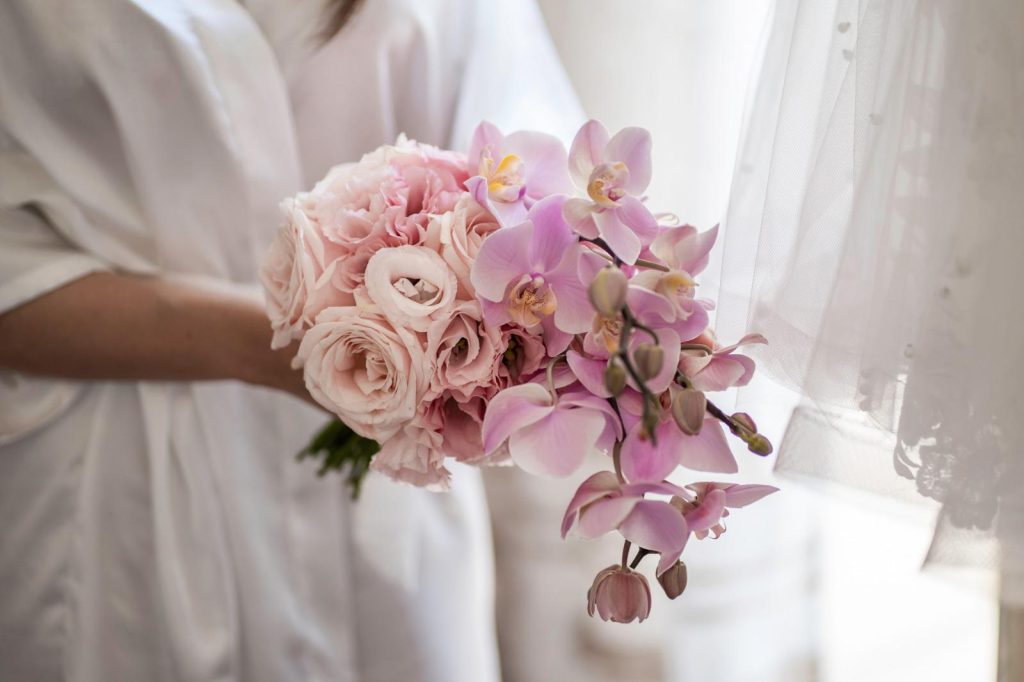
pixel 368 372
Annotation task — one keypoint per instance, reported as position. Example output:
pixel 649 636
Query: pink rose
pixel 414 455
pixel 457 236
pixel 463 437
pixel 369 373
pixel 411 285
pixel 289 273
pixel 464 350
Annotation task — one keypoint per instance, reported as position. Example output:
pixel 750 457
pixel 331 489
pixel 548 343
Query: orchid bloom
pixel 706 504
pixel 549 434
pixel 602 504
pixel 515 171
pixel 614 174
pixel 527 274
pixel 647 459
pixel 722 369
pixel 685 252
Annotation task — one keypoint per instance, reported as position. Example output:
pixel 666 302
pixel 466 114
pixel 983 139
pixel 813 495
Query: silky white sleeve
pixel 34 259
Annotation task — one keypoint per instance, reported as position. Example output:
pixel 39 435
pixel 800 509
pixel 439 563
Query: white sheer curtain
pixel 874 234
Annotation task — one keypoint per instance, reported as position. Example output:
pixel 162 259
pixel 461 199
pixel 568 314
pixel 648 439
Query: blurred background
pixel 818 584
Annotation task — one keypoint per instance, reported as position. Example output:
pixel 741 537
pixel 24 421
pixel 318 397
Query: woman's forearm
pixel 111 326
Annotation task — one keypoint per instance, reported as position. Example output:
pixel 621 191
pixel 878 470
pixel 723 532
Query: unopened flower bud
pixel 745 421
pixel 648 359
pixel 607 291
pixel 759 445
pixel 673 581
pixel 688 408
pixel 615 377
pixel 620 595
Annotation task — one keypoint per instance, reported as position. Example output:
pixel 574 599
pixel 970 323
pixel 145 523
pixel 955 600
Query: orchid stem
pixel 640 554
pixel 617 461
pixel 625 552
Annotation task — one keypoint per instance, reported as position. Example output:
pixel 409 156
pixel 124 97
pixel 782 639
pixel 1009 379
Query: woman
pixel 156 525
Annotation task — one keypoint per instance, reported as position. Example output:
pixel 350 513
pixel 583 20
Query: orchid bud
pixel 688 408
pixel 673 581
pixel 607 291
pixel 745 421
pixel 620 595
pixel 648 359
pixel 759 445
pixel 615 377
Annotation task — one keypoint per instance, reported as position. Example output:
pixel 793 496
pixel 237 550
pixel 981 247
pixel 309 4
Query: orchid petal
pixel 619 237
pixel 545 161
pixel 655 525
pixel 551 235
pixel 501 259
pixel 643 460
pixel 486 134
pixel 708 450
pixel 632 146
pixel 556 445
pixel 508 213
pixel 723 372
pixel 638 218
pixel 513 409
pixel 742 495
pixel 708 512
pixel 668 559
pixel 574 313
pixel 590 372
pixel 579 214
pixel 587 151
pixel 605 515
pixel 601 484
pixel 745 341
pixel 555 340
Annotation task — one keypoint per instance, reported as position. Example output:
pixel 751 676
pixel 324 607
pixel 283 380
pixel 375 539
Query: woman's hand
pixel 108 326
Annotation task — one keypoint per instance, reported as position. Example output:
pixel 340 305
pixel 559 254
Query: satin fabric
pixel 163 531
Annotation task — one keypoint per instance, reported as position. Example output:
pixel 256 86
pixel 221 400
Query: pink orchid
pixel 614 174
pixel 646 459
pixel 527 274
pixel 515 171
pixel 706 504
pixel 684 248
pixel 602 504
pixel 548 435
pixel 722 369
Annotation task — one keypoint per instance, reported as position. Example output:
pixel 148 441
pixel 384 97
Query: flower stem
pixel 625 553
pixel 640 554
pixel 617 461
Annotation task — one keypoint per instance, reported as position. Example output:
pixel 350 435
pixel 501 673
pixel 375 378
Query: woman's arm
pixel 111 326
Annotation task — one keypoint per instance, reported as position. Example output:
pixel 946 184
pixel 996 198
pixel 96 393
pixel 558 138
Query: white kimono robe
pixel 163 531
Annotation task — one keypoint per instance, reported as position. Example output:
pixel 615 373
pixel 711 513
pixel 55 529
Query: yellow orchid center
pixel 608 330
pixel 605 183
pixel 504 178
pixel 530 300
pixel 673 282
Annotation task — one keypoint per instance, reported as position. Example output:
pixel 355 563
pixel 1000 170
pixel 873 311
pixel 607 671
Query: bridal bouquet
pixel 519 304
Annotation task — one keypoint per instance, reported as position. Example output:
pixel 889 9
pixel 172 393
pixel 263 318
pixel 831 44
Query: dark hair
pixel 338 14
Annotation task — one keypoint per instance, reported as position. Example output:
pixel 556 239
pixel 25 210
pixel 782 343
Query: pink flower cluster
pixel 520 303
